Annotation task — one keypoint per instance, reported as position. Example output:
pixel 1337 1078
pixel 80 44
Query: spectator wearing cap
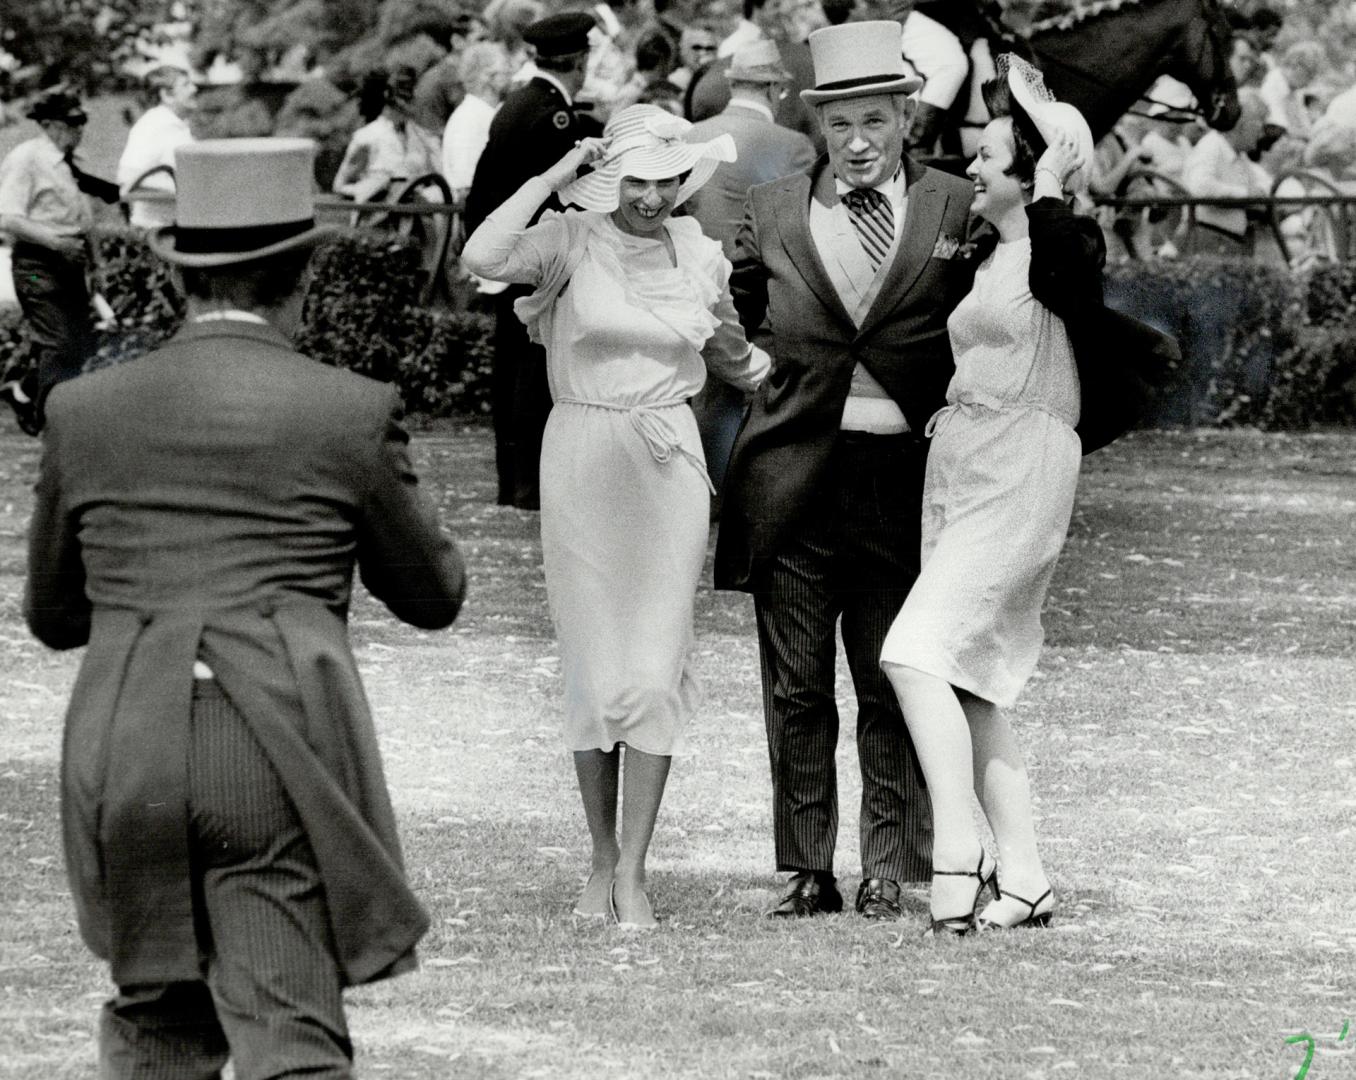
pixel 390 149
pixel 147 161
pixel 765 151
pixel 43 208
pixel 534 127
pixel 197 522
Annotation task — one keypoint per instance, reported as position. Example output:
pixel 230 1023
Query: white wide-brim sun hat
pixel 1051 116
pixel 647 143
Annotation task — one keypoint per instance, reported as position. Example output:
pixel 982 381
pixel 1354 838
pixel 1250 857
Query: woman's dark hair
pixel 1027 144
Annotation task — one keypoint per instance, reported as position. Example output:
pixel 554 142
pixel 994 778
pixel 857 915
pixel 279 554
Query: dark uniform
pixel 532 130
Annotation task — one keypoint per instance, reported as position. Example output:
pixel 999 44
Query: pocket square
pixel 948 247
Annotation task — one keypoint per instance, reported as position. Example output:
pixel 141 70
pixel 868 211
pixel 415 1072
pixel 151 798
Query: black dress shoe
pixel 26 410
pixel 878 898
pixel 809 895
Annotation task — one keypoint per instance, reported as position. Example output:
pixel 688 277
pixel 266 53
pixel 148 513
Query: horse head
pixel 1202 62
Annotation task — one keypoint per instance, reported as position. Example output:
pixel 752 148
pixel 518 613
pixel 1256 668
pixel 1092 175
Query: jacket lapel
pixel 922 221
pixel 793 223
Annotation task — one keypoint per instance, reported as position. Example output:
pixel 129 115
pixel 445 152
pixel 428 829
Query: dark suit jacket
pixel 767 151
pixel 210 501
pixel 532 130
pixel 788 304
pixel 1120 360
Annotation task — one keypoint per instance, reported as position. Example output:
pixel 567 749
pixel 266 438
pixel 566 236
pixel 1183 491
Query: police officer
pixel 533 129
pixel 44 209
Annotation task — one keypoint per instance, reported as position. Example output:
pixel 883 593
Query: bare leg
pixel 941 738
pixel 597 773
pixel 1003 790
pixel 643 783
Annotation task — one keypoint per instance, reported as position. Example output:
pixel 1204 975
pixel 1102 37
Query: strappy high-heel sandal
pixel 1041 920
pixel 960 925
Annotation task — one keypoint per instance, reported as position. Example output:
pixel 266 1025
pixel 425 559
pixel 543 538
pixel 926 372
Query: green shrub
pixel 361 312
pixel 1261 346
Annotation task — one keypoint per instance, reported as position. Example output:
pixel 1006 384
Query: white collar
pixel 760 107
pixel 230 315
pixel 888 188
pixel 550 77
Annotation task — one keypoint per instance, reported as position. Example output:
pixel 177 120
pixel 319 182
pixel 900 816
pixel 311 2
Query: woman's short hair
pixel 1027 144
pixel 479 58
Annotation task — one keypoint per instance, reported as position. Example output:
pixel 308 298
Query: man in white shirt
pixel 151 143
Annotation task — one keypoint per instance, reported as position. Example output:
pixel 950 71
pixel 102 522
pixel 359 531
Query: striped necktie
pixel 870 212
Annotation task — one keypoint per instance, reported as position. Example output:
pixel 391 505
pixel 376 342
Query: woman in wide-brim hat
pixel 633 307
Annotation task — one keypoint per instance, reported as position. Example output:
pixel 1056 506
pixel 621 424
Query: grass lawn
pixel 1192 743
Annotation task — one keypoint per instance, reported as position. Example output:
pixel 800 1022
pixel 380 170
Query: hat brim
pixel 598 190
pixel 734 75
pixel 905 84
pixel 161 242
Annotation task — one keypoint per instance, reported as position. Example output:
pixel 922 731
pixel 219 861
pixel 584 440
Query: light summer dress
pixel 625 499
pixel 999 491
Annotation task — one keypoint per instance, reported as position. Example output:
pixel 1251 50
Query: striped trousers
pixel 270 999
pixel 856 557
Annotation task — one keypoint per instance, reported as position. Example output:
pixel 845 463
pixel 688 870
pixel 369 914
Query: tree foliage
pixel 85 43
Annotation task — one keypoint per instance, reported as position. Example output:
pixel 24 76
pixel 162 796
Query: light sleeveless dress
pixel 625 498
pixel 999 492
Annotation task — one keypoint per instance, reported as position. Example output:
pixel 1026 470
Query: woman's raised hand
pixel 1062 159
pixel 584 152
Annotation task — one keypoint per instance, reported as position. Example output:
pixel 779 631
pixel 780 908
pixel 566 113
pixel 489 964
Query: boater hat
pixel 240 199
pixel 647 143
pixel 858 59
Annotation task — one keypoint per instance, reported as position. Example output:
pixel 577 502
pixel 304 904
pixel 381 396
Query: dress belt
pixel 942 417
pixel 658 433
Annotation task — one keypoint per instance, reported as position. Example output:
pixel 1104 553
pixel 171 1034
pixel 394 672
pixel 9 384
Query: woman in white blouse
pixel 633 307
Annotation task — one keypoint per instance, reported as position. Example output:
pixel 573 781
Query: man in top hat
pixel 43 207
pixel 534 127
pixel 766 151
pixel 199 513
pixel 847 274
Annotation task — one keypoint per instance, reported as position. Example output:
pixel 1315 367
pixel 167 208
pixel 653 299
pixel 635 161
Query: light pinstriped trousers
pixel 271 998
pixel 856 556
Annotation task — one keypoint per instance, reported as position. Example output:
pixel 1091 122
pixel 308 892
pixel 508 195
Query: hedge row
pixel 361 313
pixel 1262 347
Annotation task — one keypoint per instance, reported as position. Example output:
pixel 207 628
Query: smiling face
pixel 865 137
pixel 997 191
pixel 644 205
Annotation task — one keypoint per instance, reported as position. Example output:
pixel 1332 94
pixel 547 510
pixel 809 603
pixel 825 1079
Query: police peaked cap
pixel 560 35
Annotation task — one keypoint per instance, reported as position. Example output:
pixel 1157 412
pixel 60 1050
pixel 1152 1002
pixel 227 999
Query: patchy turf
pixel 1192 748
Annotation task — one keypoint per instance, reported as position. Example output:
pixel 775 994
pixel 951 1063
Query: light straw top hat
pixel 240 199
pixel 1051 117
pixel 858 59
pixel 647 143
pixel 759 62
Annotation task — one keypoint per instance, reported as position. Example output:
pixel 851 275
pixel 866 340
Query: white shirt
pixel 380 153
pixel 464 139
pixel 151 143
